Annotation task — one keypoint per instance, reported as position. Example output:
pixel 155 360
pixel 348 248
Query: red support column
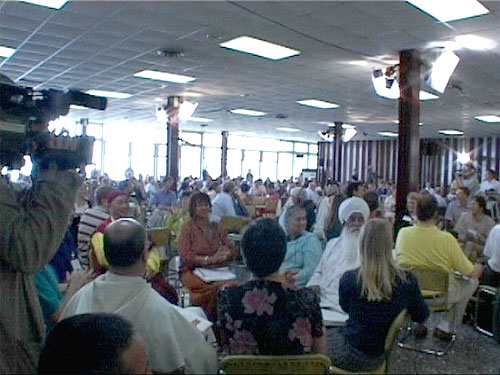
pixel 409 138
pixel 173 105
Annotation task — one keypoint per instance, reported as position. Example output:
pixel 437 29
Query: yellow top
pixel 97 242
pixel 430 247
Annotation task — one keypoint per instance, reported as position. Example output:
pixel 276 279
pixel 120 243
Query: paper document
pixel 196 316
pixel 214 274
pixel 333 318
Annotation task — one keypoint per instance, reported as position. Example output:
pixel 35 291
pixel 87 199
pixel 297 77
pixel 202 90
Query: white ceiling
pixel 100 45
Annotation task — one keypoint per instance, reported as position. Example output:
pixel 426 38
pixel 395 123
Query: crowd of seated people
pixel 329 245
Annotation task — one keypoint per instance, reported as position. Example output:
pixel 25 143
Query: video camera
pixel 24 117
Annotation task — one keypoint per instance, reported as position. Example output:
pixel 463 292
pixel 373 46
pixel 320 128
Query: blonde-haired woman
pixel 373 295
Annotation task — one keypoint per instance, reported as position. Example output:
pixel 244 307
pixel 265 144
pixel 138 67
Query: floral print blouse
pixel 269 318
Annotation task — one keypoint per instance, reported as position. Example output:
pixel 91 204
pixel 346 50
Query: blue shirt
pixel 165 198
pixel 47 287
pixel 369 322
pixel 302 254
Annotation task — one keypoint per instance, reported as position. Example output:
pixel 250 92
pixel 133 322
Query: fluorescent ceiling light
pixel 192 94
pixel 259 47
pixel 488 118
pixel 316 103
pixel 288 129
pixel 109 94
pixel 451 132
pixel 450 10
pixel 248 134
pixel 6 51
pixel 54 4
pixel 475 42
pixel 164 76
pixel 358 62
pixel 424 95
pixel 247 112
pixel 389 134
pixel 199 119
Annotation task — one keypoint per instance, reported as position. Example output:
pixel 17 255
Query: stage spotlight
pixel 463 157
pixel 348 134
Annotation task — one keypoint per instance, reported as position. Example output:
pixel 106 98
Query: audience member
pixel 371 198
pixel 341 254
pixel 491 184
pixel 373 295
pixel 266 316
pixel 312 193
pixel 90 221
pixel 82 201
pixel 457 207
pixel 223 203
pixel 355 189
pixel 424 245
pixel 333 226
pixel 94 344
pixel 203 244
pixel 323 212
pixel 118 208
pixel 65 258
pixel 491 274
pixel 166 198
pixel 412 200
pixel 468 178
pixel 249 177
pixel 172 342
pixel 303 248
pixel 298 197
pixel 49 295
pixel 473 228
pixel 258 189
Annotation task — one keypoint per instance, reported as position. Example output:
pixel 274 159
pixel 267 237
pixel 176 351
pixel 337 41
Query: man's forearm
pixel 30 233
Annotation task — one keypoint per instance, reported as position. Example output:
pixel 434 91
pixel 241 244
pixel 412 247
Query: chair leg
pixel 437 353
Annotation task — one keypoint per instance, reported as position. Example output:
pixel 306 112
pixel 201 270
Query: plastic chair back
pixel 275 364
pixel 394 329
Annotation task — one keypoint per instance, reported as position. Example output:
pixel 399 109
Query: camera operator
pixel 32 226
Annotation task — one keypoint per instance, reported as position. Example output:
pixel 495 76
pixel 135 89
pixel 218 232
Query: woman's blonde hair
pixel 378 272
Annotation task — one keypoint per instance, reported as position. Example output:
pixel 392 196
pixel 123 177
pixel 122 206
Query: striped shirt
pixel 91 219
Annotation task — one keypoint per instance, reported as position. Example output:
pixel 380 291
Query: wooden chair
pixel 390 340
pixel 275 364
pixel 234 224
pixel 434 286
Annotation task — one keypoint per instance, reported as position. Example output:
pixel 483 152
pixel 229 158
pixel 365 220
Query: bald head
pixel 124 242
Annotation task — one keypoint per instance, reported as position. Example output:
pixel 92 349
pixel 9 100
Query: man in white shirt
pixel 490 184
pixel 492 251
pixel 222 205
pixel 312 194
pixel 172 342
pixel 341 254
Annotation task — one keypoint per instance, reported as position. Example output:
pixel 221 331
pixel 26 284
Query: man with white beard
pixel 341 254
